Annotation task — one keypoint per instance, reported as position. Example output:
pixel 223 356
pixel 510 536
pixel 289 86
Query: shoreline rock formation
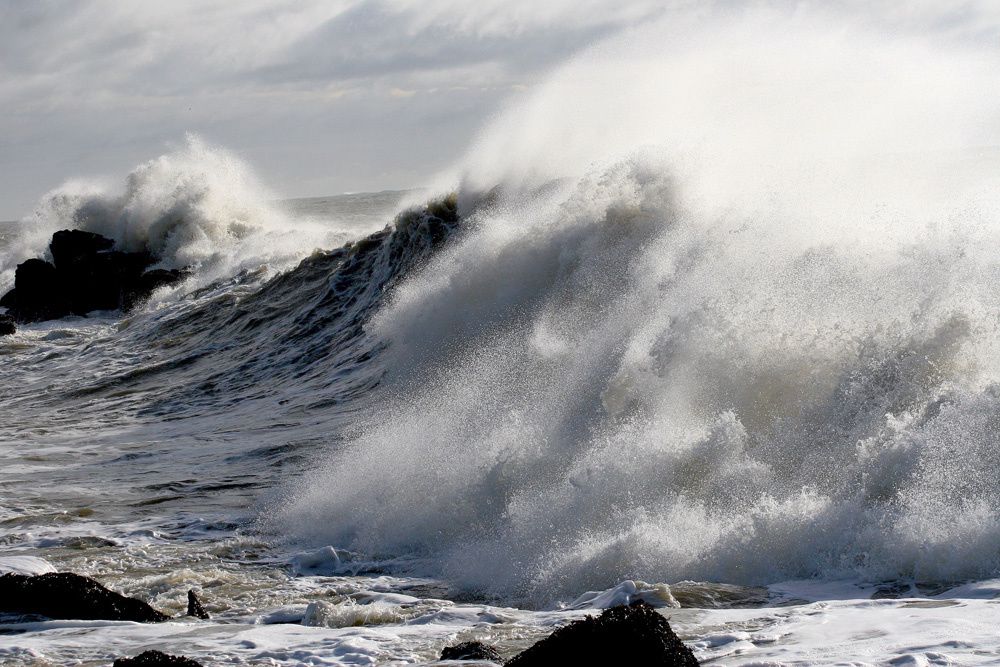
pixel 64 595
pixel 635 634
pixel 86 274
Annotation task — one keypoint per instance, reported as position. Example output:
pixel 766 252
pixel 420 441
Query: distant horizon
pixel 314 96
pixel 12 221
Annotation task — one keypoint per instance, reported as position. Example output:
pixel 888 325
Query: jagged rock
pixel 63 595
pixel 632 635
pixel 156 659
pixel 70 246
pixel 7 325
pixel 194 607
pixel 9 299
pixel 471 651
pixel 38 293
pixel 137 291
pixel 100 281
pixel 87 274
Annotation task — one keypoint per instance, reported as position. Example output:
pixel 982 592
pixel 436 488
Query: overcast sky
pixel 320 96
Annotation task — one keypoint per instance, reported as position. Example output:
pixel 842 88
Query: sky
pixel 320 96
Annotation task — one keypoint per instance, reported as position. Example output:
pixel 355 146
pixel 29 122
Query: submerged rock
pixel 7 325
pixel 471 651
pixel 156 659
pixel 194 607
pixel 87 274
pixel 63 595
pixel 632 635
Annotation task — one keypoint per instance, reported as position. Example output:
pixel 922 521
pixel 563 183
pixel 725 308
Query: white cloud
pixel 321 95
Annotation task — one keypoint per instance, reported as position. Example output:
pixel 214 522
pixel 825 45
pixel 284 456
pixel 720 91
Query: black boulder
pixel 632 635
pixel 156 659
pixel 63 595
pixel 194 607
pixel 39 293
pixel 471 651
pixel 87 274
pixel 70 246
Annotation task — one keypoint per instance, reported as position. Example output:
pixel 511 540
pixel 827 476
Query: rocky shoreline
pixel 86 274
pixel 634 634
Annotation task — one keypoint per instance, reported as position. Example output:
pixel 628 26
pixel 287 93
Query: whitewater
pixel 709 319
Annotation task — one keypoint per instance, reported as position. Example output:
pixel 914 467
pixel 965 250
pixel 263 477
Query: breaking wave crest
pixel 748 334
pixel 708 304
pixel 198 207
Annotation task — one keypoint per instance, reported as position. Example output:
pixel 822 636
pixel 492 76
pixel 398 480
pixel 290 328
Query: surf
pixel 722 309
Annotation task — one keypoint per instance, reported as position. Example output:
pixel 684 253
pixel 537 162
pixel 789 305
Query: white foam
pixel 30 565
pixel 325 560
pixel 945 629
pixel 626 593
pixel 763 348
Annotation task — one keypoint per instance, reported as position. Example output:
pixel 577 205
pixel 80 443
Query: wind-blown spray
pixel 729 312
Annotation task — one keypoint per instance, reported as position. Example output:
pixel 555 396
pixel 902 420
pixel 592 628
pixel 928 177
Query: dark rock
pixel 38 292
pixel 471 651
pixel 194 607
pixel 9 299
pixel 63 595
pixel 138 290
pixel 70 246
pixel 100 281
pixel 7 325
pixel 632 635
pixel 156 659
pixel 87 274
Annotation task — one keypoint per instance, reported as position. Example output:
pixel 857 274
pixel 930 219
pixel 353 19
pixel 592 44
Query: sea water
pixel 721 335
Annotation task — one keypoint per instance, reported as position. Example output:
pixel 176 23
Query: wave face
pixel 730 315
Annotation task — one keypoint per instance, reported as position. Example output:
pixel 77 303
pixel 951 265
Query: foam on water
pixel 748 334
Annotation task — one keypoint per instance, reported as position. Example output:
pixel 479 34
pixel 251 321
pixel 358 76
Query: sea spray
pixel 198 207
pixel 727 313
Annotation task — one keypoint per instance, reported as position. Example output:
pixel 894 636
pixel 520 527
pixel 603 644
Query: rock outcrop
pixel 471 651
pixel 156 659
pixel 632 635
pixel 63 595
pixel 194 607
pixel 86 274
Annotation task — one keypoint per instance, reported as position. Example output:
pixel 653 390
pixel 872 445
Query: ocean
pixel 733 352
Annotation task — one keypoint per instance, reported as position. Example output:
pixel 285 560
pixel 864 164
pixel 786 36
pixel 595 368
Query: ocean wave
pixel 749 335
pixel 198 207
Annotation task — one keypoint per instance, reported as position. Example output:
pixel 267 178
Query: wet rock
pixel 156 659
pixel 71 246
pixel 38 293
pixel 471 651
pixel 87 274
pixel 63 595
pixel 194 607
pixel 7 325
pixel 138 290
pixel 632 635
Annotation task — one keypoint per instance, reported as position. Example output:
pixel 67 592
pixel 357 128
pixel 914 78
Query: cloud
pixel 322 95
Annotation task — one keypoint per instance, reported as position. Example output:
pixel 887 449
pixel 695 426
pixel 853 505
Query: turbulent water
pixel 731 330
